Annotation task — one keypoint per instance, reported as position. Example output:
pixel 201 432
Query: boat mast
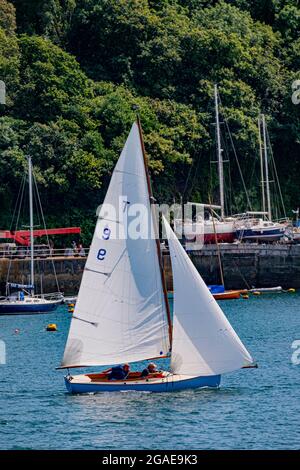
pixel 219 152
pixel 31 224
pixel 163 281
pixel 261 166
pixel 266 167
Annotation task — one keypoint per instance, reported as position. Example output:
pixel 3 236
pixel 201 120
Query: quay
pixel 245 265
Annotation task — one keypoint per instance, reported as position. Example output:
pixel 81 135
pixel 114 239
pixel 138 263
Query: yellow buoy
pixel 245 296
pixel 51 327
pixel 71 305
pixel 256 293
pixel 291 290
pixel 71 310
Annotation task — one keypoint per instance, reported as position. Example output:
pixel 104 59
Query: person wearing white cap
pixel 150 369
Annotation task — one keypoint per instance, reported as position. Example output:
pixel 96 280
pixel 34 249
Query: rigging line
pixel 227 176
pixel 229 212
pixel 44 224
pixel 253 174
pixel 237 160
pixel 18 201
pixel 275 172
pixel 192 166
pixel 188 177
pixel 17 222
pixel 240 273
pixel 239 167
pixel 36 208
pixel 195 173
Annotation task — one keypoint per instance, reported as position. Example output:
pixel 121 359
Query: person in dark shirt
pixel 118 372
pixel 150 369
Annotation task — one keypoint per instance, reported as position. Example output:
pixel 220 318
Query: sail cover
pixel 204 342
pixel 120 314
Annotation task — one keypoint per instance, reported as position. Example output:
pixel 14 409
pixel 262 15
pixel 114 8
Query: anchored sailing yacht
pixel 122 311
pixel 216 228
pixel 258 228
pixel 21 298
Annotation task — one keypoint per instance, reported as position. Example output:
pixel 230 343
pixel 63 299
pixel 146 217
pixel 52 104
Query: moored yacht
pixel 260 230
pixel 21 298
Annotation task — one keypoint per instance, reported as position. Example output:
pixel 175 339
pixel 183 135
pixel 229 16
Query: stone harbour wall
pixel 244 266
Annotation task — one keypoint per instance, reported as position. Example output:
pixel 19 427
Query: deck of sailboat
pixel 133 376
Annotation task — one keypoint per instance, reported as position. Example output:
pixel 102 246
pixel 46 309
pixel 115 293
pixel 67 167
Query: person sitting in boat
pixel 150 369
pixel 118 372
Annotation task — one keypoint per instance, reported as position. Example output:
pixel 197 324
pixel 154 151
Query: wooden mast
pixel 156 232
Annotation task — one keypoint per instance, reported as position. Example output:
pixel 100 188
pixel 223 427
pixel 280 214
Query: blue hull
pixel 26 309
pixel 212 381
pixel 264 235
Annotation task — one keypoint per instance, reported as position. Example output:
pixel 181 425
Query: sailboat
pixel 262 229
pixel 21 298
pixel 220 228
pixel 122 312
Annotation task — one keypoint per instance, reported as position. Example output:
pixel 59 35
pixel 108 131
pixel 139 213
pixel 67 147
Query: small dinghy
pixel 267 290
pixel 122 312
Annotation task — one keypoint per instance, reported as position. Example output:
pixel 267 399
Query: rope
pixel 44 224
pixel 18 202
pixel 240 273
pixel 237 160
pixel 275 173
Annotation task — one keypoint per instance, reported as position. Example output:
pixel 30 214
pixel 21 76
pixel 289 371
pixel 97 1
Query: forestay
pixel 204 342
pixel 120 314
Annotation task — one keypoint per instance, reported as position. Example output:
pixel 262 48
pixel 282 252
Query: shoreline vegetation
pixel 74 69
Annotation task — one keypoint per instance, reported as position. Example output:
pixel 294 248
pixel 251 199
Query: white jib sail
pixel 204 342
pixel 120 315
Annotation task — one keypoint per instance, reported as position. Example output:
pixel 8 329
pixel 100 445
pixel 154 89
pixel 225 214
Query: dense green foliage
pixel 74 68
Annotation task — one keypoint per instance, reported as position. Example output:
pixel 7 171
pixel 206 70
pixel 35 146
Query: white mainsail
pixel 204 342
pixel 120 314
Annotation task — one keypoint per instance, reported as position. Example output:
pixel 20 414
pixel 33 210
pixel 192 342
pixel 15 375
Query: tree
pixel 51 81
pixel 7 17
